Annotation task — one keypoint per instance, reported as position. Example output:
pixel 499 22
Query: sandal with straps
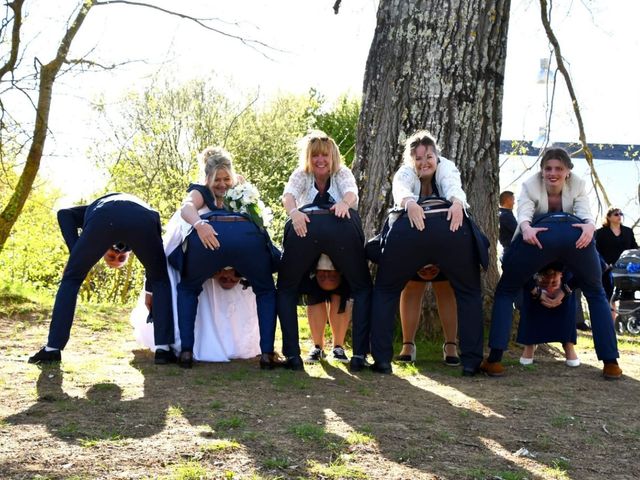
pixel 410 357
pixel 452 361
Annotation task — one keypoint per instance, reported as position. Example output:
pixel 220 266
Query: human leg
pixel 410 308
pixel 447 311
pixel 339 325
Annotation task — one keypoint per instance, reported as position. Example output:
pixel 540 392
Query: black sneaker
pixel 46 357
pixel 339 354
pixel 315 355
pixel 164 357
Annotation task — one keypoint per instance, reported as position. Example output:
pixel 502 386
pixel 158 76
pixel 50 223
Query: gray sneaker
pixel 339 354
pixel 315 355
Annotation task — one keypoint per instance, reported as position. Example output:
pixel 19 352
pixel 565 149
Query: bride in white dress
pixel 226 323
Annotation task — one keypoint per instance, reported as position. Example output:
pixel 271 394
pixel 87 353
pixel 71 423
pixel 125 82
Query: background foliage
pixel 150 151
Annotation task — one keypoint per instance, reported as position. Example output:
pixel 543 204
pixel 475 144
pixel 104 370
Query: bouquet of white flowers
pixel 245 198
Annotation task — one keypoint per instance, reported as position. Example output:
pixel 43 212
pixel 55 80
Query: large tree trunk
pixel 439 65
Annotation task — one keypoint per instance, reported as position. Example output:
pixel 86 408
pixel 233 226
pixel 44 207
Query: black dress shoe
pixel 271 360
pixel 381 367
pixel 294 363
pixel 186 359
pixel 357 364
pixel 469 372
pixel 45 357
pixel 164 357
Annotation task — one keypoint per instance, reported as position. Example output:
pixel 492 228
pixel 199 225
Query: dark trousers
pixel 524 260
pixel 405 252
pixel 343 241
pixel 113 222
pixel 243 247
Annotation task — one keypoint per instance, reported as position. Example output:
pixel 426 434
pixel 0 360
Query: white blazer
pixel 533 199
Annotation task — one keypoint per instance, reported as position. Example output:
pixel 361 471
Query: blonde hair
pixel 214 159
pixel 421 137
pixel 317 142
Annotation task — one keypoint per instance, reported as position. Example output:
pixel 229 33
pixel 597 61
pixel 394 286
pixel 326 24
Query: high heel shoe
pixel 449 359
pixel 410 357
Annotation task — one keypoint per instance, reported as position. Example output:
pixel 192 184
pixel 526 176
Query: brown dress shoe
pixel 271 360
pixel 611 371
pixel 493 369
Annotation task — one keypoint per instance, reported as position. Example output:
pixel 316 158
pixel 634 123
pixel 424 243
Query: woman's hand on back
pixel 455 214
pixel 530 234
pixel 588 229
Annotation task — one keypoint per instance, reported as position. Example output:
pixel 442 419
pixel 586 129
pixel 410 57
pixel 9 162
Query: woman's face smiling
pixel 221 182
pixel 554 173
pixel 426 161
pixel 321 164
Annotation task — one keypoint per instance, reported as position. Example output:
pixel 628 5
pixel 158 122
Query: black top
pixel 324 200
pixel 507 226
pixel 610 246
pixel 209 199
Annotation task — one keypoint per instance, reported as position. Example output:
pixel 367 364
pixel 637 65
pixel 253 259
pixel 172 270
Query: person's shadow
pixel 102 415
pixel 298 425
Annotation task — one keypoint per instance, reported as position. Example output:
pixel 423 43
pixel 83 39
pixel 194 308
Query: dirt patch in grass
pixel 108 412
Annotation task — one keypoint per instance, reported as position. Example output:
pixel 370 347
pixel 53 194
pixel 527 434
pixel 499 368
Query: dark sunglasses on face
pixel 617 214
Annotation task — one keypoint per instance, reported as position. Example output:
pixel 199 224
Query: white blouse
pixel 302 186
pixel 406 183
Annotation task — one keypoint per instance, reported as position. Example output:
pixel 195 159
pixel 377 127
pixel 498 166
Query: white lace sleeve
pixel 297 185
pixel 345 182
pixel 404 185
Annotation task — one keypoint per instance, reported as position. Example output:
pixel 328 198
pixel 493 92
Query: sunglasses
pixel 617 214
pixel 318 139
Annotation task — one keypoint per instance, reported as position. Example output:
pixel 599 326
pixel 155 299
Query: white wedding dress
pixel 226 322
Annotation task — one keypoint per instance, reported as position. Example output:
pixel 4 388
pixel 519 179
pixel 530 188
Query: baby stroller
pixel 626 282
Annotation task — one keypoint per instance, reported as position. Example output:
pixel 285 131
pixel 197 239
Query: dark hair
pixel 606 222
pixel 556 154
pixel 504 195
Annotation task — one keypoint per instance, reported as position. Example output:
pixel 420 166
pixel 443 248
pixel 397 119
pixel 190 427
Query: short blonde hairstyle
pixel 214 159
pixel 317 142
pixel 421 137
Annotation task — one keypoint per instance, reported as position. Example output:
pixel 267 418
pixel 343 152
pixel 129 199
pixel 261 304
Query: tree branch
pixel 588 154
pixel 249 42
pixel 16 6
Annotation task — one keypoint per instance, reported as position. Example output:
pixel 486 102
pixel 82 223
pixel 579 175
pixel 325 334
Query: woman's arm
pixel 346 185
pixel 295 189
pixel 189 213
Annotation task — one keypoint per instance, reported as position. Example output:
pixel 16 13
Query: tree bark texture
pixel 435 65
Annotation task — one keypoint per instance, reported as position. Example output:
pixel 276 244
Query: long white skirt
pixel 226 321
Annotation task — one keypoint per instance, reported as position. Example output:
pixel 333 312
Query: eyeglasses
pixel 617 214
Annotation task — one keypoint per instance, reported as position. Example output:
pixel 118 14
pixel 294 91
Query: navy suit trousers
pixel 243 247
pixel 524 260
pixel 113 222
pixel 406 251
pixel 343 241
